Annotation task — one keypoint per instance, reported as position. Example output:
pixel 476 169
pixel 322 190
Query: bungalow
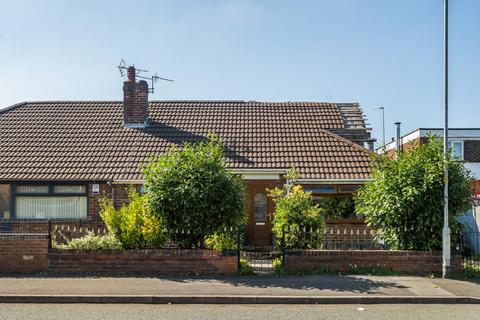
pixel 58 157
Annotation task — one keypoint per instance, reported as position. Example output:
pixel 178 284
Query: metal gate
pixel 261 259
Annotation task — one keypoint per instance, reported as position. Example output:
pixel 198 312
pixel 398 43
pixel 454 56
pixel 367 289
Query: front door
pixel 260 214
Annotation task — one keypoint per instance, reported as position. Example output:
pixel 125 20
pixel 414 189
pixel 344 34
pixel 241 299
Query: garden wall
pixel 348 234
pixel 23 253
pixel 150 261
pixel 412 262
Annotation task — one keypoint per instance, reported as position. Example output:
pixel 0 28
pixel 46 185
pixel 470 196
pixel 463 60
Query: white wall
pixel 474 167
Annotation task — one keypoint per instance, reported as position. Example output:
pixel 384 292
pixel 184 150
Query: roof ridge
pixel 13 106
pixel 178 101
pixel 242 101
pixel 72 101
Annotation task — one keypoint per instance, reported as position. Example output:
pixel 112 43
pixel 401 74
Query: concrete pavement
pixel 238 289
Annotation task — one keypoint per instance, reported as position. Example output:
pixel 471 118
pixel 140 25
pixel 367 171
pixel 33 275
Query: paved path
pixel 320 285
pixel 253 312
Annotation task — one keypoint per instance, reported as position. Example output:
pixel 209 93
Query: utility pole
pixel 383 125
pixel 399 145
pixel 446 230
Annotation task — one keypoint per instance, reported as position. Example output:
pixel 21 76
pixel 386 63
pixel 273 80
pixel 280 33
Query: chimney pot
pixel 371 144
pixel 131 73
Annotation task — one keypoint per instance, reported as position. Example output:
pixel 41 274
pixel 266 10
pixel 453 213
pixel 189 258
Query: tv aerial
pixel 123 69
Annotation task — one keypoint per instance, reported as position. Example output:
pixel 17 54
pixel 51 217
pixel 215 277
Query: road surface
pixel 234 312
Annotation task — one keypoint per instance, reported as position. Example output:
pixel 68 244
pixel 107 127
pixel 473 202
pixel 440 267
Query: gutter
pixel 269 171
pixel 332 181
pixel 236 171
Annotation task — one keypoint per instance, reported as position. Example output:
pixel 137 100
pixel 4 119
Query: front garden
pixel 193 202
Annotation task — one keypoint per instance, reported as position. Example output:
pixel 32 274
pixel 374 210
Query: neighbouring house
pixel 465 145
pixel 59 157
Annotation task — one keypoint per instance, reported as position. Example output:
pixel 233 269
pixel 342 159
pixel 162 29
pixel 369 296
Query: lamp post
pixel 399 144
pixel 446 230
pixel 383 125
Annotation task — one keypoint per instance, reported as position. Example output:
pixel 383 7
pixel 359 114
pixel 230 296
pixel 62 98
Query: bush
pixel 192 189
pixel 222 241
pixel 297 216
pixel 245 268
pixel 134 224
pixel 471 268
pixel 337 208
pixel 277 266
pixel 404 200
pixel 91 242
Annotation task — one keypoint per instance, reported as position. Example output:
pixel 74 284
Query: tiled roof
pixel 85 141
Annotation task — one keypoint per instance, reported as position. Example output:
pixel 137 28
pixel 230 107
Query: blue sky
pixel 375 52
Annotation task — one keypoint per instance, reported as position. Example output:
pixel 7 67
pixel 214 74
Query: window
pixel 457 149
pixel 69 189
pixel 51 202
pixel 321 189
pixel 32 189
pixel 348 189
pixel 260 207
pixel 4 201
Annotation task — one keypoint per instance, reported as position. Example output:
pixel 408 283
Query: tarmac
pixel 317 289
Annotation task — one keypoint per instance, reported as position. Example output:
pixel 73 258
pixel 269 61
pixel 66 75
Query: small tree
pixel 134 224
pixel 296 215
pixel 404 200
pixel 192 190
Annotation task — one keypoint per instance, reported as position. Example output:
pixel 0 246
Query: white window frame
pixel 450 147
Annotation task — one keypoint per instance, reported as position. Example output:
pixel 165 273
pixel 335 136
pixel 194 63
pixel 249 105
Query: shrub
pixel 277 266
pixel 297 216
pixel 336 208
pixel 245 268
pixel 471 268
pixel 192 189
pixel 404 200
pixel 91 242
pixel 134 224
pixel 221 241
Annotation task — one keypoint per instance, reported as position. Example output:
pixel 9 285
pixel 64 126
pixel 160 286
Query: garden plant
pixel 404 199
pixel 192 190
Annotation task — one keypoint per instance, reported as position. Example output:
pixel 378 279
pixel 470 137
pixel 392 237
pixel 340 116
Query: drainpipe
pixel 398 137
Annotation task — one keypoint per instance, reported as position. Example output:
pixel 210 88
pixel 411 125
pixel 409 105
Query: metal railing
pixel 469 246
pixel 23 226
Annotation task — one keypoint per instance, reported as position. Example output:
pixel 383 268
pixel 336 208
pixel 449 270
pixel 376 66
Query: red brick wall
pixel 151 261
pixel 93 215
pixel 118 194
pixel 135 101
pixel 413 262
pixel 23 253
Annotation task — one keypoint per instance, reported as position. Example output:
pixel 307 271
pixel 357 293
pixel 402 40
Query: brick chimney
pixel 135 101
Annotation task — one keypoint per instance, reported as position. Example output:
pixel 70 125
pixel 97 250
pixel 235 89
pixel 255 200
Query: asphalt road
pixel 233 312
